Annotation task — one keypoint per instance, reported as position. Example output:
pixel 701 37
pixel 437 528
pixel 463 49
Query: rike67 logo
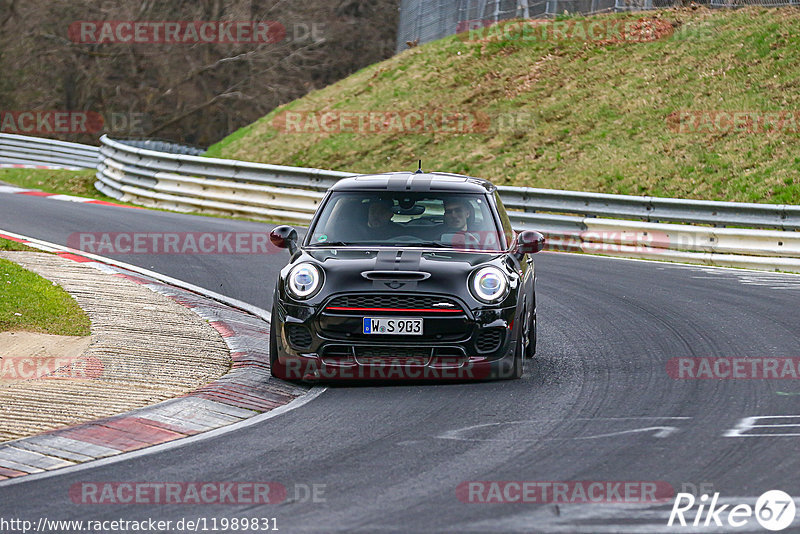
pixel 774 510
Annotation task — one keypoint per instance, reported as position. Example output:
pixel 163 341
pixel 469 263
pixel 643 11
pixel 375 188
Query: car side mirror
pixel 529 242
pixel 284 237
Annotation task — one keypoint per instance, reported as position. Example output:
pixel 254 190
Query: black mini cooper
pixel 405 276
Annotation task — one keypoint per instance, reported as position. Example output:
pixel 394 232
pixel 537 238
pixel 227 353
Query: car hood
pixel 441 272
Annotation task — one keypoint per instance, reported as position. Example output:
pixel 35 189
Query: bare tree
pixel 190 92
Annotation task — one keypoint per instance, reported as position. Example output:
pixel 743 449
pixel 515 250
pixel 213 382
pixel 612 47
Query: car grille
pixel 299 336
pixel 489 339
pixel 398 302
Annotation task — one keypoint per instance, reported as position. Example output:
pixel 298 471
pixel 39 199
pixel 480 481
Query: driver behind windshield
pixel 379 220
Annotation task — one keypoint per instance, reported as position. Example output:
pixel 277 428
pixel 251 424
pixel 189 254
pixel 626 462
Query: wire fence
pixel 422 21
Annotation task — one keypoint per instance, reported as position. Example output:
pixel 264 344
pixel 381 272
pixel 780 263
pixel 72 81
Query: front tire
pixel 276 369
pixel 518 367
pixel 530 349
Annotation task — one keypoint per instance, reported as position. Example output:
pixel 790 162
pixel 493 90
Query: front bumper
pixel 465 344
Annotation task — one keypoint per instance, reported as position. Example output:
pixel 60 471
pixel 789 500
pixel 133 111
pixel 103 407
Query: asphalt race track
pixel 596 405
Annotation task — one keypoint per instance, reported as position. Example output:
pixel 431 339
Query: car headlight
pixel 489 284
pixel 304 280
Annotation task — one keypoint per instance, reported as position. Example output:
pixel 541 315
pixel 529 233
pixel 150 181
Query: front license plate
pixel 406 326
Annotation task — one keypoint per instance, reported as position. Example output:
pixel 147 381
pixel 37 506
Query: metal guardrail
pixel 653 209
pixel 736 234
pixel 762 236
pixel 227 187
pixel 165 146
pixel 26 150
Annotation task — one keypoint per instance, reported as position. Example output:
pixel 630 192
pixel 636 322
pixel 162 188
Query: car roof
pixel 414 181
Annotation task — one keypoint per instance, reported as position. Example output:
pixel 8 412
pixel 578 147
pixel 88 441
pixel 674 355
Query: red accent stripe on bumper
pixel 431 310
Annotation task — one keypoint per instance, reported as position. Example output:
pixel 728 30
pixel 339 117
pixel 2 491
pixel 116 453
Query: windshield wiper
pixel 331 244
pixel 432 244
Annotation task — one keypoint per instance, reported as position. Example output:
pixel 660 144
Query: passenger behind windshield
pixel 457 215
pixel 444 220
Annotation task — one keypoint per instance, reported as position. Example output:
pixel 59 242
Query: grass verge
pixel 569 111
pixel 59 181
pixel 7 244
pixel 31 303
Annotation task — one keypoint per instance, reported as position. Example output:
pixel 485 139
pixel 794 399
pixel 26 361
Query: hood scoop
pixel 402 276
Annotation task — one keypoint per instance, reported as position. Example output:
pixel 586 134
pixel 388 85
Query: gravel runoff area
pixel 144 348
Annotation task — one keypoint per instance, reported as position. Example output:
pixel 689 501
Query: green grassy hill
pixel 568 112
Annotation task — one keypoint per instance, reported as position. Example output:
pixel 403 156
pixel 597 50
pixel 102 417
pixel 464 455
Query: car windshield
pixel 400 218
